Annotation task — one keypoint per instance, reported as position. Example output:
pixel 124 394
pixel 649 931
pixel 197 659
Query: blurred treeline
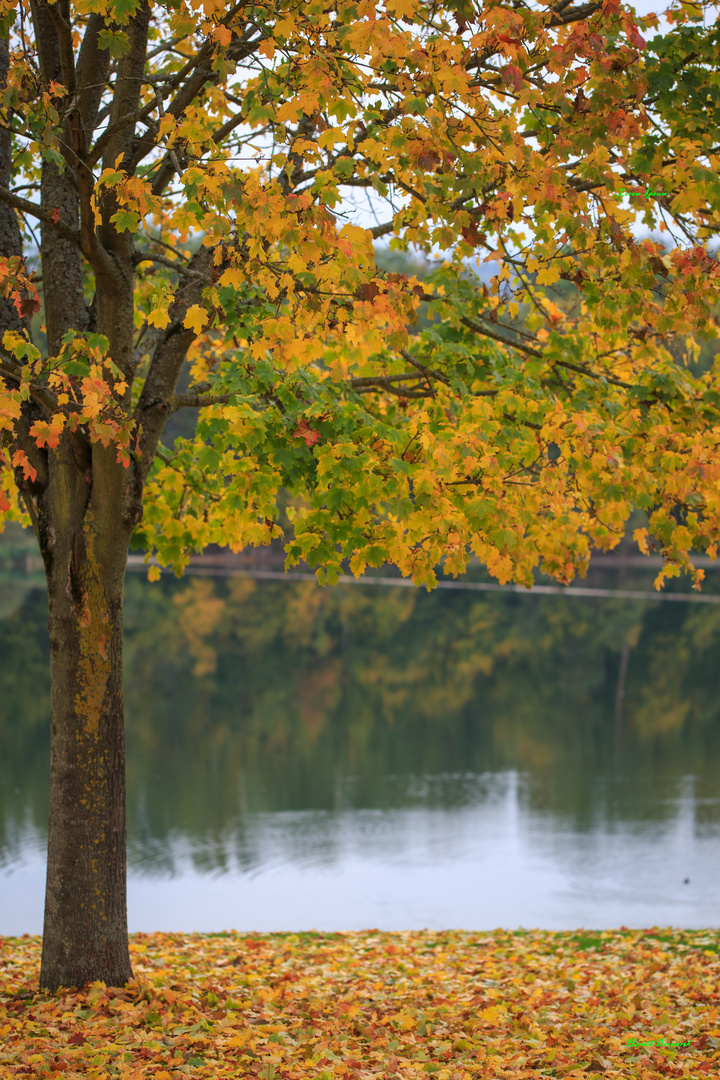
pixel 256 695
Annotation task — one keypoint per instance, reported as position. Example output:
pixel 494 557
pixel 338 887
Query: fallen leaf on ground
pixel 309 1006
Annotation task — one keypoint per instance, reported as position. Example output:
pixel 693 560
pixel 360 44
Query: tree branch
pixel 580 369
pixel 60 15
pixel 382 230
pixel 382 384
pixel 128 86
pixel 153 407
pixel 191 400
pixel 563 17
pixel 367 384
pixel 41 395
pixel 161 260
pixel 429 373
pixel 498 337
pixel 91 73
pixel 27 207
pixel 185 96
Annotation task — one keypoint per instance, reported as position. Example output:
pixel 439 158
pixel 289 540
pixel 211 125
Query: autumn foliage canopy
pixel 212 154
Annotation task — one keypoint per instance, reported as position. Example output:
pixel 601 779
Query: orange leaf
pixel 20 461
pixel 48 434
pixel 304 431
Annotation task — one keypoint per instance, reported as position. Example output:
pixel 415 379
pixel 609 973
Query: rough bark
pixel 85 934
pixel 61 261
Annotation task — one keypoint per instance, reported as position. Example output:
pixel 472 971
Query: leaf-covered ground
pixel 453 1005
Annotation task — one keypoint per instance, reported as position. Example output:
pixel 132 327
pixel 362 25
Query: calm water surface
pixel 302 758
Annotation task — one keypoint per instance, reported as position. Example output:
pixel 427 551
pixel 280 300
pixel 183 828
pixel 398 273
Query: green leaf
pixel 24 350
pixel 75 367
pixel 7 20
pixel 123 10
pixel 126 220
pixel 115 41
pixel 344 167
pixel 101 343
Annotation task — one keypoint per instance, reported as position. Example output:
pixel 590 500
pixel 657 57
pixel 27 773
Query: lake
pixel 362 757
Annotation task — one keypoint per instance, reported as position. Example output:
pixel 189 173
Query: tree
pixel 127 126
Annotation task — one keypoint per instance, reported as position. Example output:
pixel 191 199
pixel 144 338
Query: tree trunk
pixel 84 542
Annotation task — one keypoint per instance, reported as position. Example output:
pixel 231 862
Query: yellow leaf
pixel 285 27
pixel 491 1015
pixel 640 536
pixel 289 111
pixel 196 318
pixel 159 317
pixel 154 573
pixel 210 7
pixel 167 123
pixel 548 275
pixel 96 213
pixel 232 276
pixel 402 9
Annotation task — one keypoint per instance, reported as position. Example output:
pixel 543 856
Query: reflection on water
pixel 346 758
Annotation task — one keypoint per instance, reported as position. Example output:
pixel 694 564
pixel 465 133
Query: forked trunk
pixel 85 552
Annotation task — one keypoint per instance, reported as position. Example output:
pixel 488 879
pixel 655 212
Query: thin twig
pixel 146 256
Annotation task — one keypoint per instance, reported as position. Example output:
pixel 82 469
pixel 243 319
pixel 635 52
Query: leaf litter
pixel 315 1006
